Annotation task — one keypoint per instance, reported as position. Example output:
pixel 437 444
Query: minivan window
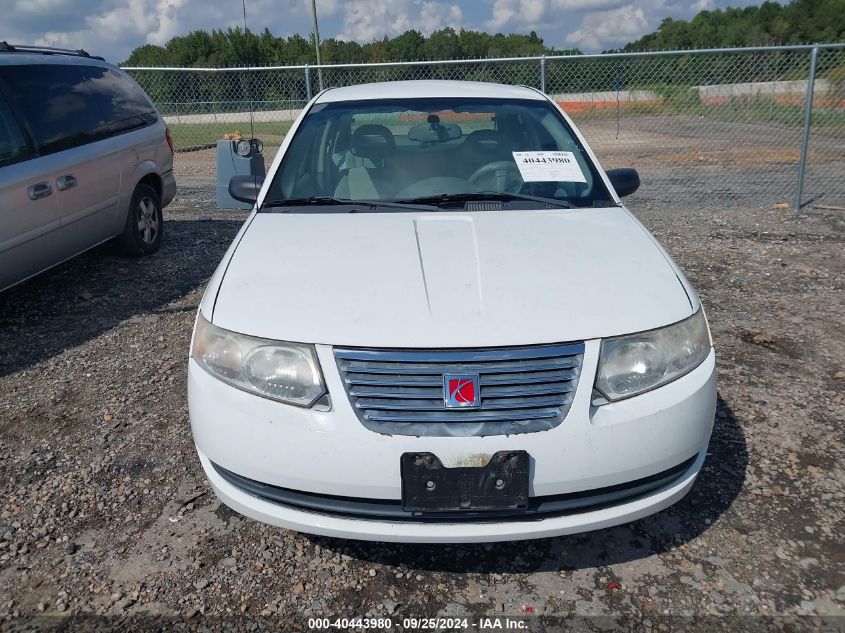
pixel 123 104
pixel 13 145
pixel 60 110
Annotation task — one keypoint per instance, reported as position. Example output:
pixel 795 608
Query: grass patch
pixel 187 135
pixel 760 110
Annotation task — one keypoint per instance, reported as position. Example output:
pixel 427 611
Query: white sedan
pixel 440 324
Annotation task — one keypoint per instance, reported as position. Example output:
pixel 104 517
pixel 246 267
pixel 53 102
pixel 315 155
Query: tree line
pixel 771 23
pixel 236 47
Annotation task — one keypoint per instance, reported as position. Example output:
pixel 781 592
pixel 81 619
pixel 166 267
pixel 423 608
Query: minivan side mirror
pixel 245 188
pixel 625 180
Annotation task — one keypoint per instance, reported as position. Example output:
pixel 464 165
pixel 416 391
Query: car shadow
pixel 92 293
pixel 720 481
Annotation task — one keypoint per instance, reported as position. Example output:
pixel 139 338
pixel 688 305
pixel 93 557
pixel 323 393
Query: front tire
pixel 144 223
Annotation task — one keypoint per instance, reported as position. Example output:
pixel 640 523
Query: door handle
pixel 66 182
pixel 39 190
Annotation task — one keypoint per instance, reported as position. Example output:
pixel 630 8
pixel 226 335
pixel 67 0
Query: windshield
pixel 435 151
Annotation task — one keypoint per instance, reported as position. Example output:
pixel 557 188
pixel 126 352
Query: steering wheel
pixel 505 174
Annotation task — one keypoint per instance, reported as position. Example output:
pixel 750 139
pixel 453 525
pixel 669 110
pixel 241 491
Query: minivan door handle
pixel 66 182
pixel 39 190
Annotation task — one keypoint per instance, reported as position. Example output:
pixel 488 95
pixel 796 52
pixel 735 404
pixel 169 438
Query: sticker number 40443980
pixel 548 167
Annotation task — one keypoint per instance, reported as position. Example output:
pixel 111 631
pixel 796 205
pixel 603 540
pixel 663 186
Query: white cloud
pixel 535 14
pixel 168 21
pixel 156 21
pixel 603 29
pixel 561 6
pixel 59 40
pixel 456 15
pixel 503 12
pixel 435 15
pixel 366 20
pixel 113 28
pixel 516 13
pixel 327 7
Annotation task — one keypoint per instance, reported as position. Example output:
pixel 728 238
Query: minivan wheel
pixel 144 223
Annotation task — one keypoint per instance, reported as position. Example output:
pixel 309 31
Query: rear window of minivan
pixel 123 104
pixel 59 109
pixel 71 105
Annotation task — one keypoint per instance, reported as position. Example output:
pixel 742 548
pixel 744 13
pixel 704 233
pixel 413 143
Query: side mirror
pixel 625 180
pixel 245 188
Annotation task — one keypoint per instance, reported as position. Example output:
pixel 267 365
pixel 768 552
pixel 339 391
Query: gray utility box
pixel 237 158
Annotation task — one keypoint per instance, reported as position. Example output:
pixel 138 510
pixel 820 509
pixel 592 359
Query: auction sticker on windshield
pixel 548 167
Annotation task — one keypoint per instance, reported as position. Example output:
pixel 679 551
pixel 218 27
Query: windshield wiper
pixel 447 198
pixel 322 201
pixel 302 202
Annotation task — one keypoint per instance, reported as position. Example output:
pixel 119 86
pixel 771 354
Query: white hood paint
pixel 448 279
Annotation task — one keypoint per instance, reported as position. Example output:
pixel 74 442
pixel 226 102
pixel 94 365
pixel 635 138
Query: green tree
pixel 770 23
pixel 409 46
pixel 236 47
pixel 147 55
pixel 442 44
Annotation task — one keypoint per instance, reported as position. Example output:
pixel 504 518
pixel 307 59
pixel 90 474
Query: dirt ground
pixel 106 520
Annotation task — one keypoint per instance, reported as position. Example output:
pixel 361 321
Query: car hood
pixel 448 279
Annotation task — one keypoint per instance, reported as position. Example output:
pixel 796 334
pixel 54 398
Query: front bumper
pixel 493 530
pixel 332 453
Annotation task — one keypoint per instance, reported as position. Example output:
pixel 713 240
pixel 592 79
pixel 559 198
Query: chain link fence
pixel 720 124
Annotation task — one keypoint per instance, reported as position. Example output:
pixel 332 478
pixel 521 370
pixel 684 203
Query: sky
pixel 113 28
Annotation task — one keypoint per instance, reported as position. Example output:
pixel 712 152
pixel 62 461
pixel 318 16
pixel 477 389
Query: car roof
pixel 19 58
pixel 427 88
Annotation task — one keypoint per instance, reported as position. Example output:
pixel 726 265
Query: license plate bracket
pixel 428 486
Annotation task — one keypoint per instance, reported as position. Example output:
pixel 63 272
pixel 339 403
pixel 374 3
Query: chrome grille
pixel 522 390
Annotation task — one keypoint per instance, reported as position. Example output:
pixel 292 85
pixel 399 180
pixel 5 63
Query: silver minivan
pixel 84 158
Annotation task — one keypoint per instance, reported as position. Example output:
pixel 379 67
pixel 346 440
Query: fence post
pixel 805 139
pixel 543 74
pixel 308 82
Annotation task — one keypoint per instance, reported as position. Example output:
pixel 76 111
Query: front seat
pixel 373 177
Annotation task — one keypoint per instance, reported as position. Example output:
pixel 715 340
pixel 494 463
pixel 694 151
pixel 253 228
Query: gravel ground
pixel 107 521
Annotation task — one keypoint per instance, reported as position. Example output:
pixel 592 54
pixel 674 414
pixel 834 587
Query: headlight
pixel 287 372
pixel 630 365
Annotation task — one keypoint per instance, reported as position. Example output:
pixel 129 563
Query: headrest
pixel 373 141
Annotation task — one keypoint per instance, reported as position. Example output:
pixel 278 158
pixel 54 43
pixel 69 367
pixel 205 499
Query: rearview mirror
pixel 434 133
pixel 625 180
pixel 245 188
